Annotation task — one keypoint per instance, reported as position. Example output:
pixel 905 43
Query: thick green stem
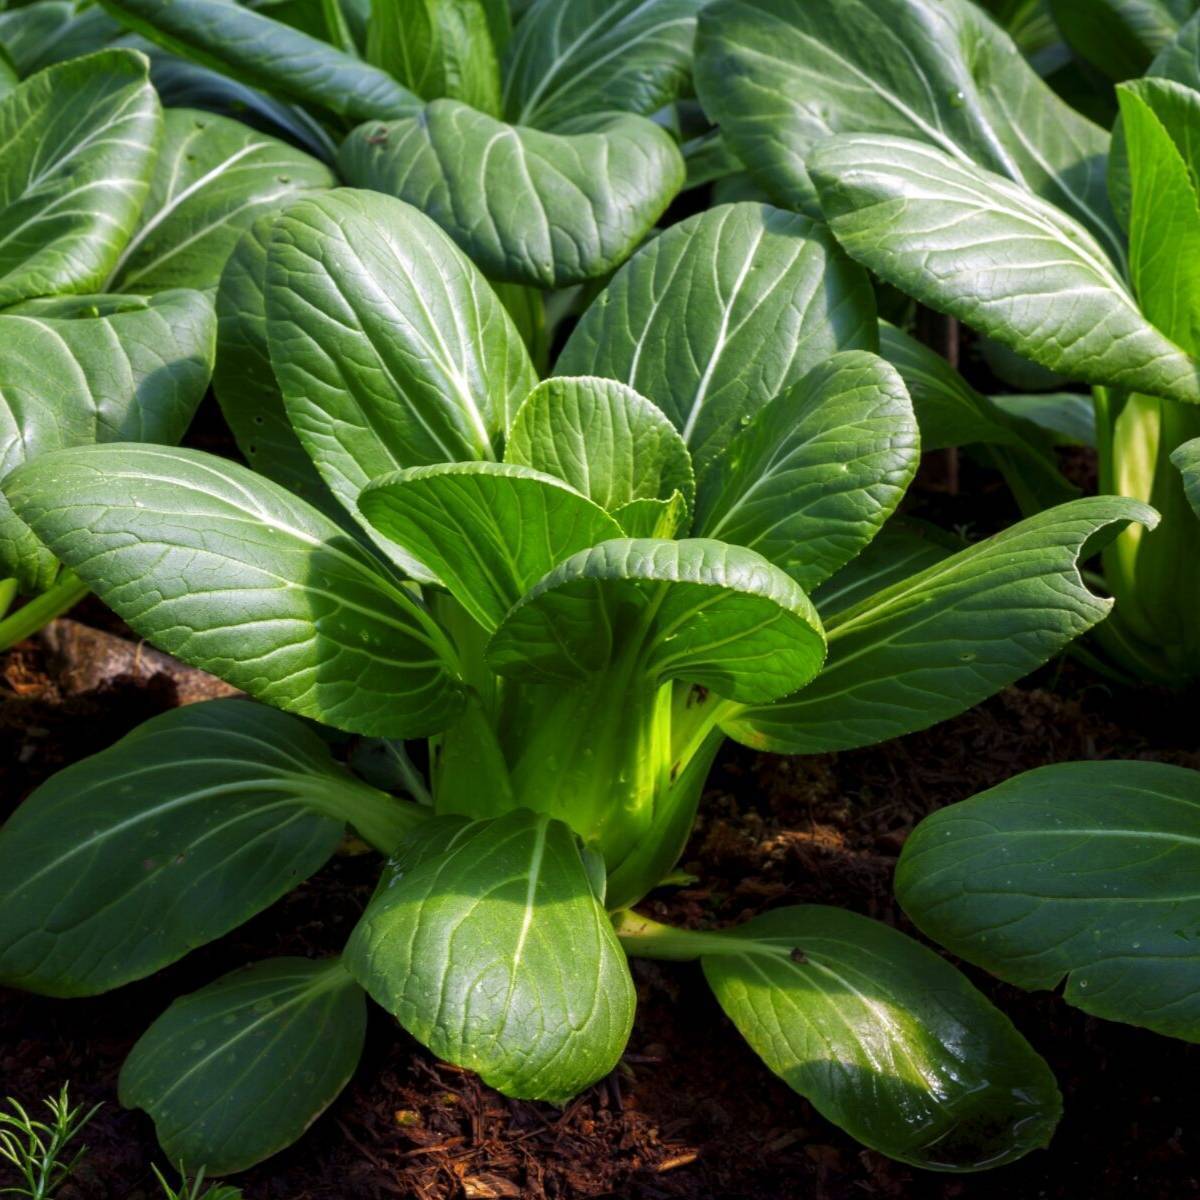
pixel 339 30
pixel 41 610
pixel 381 820
pixel 8 593
pixel 642 937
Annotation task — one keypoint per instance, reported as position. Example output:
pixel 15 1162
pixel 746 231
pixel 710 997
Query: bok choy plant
pixel 118 219
pixel 574 589
pixel 531 146
pixel 959 177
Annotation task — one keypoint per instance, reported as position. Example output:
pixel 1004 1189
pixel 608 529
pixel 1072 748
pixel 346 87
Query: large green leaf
pixel 544 209
pixel 975 245
pixel 240 1069
pixel 1187 459
pixel 809 482
pixel 85 369
pixel 228 37
pixel 780 75
pixel 885 1038
pixel 604 439
pixel 1180 58
pixel 717 615
pixel 389 347
pixel 488 531
pixel 50 31
pixel 495 952
pixel 213 178
pixel 934 644
pixel 576 59
pixel 722 313
pixel 1121 37
pixel 1160 120
pixel 1081 871
pixel 186 827
pixel 438 48
pixel 245 384
pixel 231 573
pixel 79 142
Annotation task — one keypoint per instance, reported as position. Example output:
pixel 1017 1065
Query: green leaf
pixel 810 481
pixel 437 48
pixel 589 56
pixel 1081 871
pixel 227 37
pixel 1069 418
pixel 77 370
pixel 1187 459
pixel 940 641
pixel 648 518
pixel 1120 37
pixel 488 531
pixel 1160 119
pixel 602 438
pixel 230 573
pixel 779 76
pixel 497 955
pixel 80 140
pixel 1179 59
pixel 240 1069
pixel 717 615
pixel 51 31
pixel 885 1038
pixel 244 383
pixel 972 244
pixel 213 178
pixel 543 209
pixel 181 831
pixel 390 349
pixel 720 314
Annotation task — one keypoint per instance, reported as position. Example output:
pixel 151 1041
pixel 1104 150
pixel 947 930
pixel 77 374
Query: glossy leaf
pixel 488 531
pixel 590 56
pixel 778 76
pixel 235 1072
pixel 1187 459
pixel 543 209
pixel 390 349
pixel 653 518
pixel 497 955
pixel 253 48
pixel 184 829
pixel 79 143
pixel 1081 871
pixel 1120 37
pixel 230 573
pixel 974 245
pixel 717 615
pixel 77 370
pixel 1179 59
pixel 720 314
pixel 50 31
pixel 603 439
pixel 810 481
pixel 212 179
pixel 885 1038
pixel 940 641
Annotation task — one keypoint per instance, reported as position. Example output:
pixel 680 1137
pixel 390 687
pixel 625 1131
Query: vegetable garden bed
pixel 599 598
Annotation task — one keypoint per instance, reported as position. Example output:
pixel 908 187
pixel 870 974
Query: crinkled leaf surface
pixel 230 573
pixel 720 314
pixel 235 1072
pixel 1085 871
pixel 212 179
pixel 389 346
pixel 973 244
pixel 265 53
pixel 495 952
pixel 577 59
pixel 934 644
pixel 85 369
pixel 717 615
pixel 810 481
pixel 604 439
pixel 780 75
pixel 488 531
pixel 885 1038
pixel 528 206
pixel 179 832
pixel 79 141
